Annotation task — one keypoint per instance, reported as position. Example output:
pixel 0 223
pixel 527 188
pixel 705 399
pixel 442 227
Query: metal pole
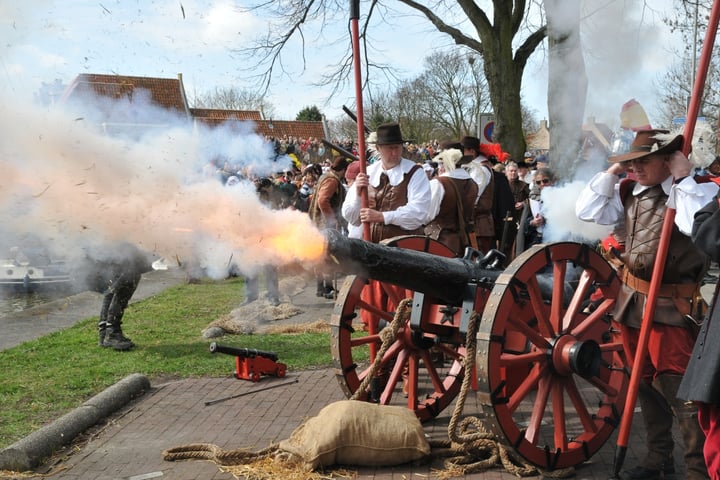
pixel 668 221
pixel 354 17
pixel 238 395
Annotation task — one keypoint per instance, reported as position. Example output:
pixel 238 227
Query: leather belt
pixel 672 290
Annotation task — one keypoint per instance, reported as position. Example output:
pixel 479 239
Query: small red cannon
pixel 250 363
pixel 551 372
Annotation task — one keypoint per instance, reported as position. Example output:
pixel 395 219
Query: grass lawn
pixel 45 378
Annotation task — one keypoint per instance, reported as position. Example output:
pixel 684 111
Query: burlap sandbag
pixel 351 432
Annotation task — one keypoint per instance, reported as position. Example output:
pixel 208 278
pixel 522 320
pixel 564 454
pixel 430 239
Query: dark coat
pixel 103 265
pixel 701 382
pixel 503 202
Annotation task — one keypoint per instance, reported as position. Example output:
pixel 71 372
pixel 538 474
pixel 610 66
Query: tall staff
pixel 355 33
pixel 668 221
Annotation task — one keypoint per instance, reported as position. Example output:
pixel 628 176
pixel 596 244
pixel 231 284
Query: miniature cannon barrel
pixel 442 277
pixel 242 352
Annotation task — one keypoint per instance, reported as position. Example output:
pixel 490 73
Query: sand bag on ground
pixel 351 432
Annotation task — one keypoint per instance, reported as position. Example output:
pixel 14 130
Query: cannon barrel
pixel 242 352
pixel 443 277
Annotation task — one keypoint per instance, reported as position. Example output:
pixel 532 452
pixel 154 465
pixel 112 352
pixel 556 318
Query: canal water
pixel 13 301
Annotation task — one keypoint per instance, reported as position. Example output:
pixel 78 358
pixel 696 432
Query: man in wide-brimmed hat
pixel 661 177
pixel 398 202
pixel 398 191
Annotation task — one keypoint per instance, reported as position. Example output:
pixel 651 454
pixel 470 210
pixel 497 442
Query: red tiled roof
pixel 298 129
pixel 208 115
pixel 168 93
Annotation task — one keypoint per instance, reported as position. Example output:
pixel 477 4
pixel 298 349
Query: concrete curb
pixel 30 451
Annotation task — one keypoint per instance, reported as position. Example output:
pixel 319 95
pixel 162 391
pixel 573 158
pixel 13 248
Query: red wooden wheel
pixel 430 370
pixel 552 375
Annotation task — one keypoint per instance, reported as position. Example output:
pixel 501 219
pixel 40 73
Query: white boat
pixel 20 272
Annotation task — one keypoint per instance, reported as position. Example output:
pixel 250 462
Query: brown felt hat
pixel 339 164
pixel 649 142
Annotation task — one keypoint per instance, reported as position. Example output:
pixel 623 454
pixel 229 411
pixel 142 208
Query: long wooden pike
pixel 355 33
pixel 661 256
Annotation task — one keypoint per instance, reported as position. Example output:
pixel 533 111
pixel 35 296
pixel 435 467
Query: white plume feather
pixel 703 144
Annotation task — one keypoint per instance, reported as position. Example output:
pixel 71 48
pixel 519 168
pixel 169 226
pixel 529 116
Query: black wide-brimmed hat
pixel 389 134
pixel 470 142
pixel 448 144
pixel 649 142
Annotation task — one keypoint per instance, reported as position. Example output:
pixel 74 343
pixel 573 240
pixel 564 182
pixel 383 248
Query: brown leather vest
pixel 448 215
pixel 447 222
pixel 336 201
pixel 484 223
pixel 685 264
pixel 644 216
pixel 386 198
pixel 521 192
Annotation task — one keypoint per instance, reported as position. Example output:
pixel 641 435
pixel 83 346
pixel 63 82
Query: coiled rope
pixel 470 447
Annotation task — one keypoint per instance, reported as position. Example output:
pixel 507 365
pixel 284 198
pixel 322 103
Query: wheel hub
pixel 570 355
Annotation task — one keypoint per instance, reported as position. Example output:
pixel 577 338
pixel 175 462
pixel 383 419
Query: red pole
pixel 354 17
pixel 661 256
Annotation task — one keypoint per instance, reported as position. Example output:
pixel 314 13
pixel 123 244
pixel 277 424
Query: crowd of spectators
pixel 305 160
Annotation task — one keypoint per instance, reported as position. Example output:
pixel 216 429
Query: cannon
pixel 551 375
pixel 251 363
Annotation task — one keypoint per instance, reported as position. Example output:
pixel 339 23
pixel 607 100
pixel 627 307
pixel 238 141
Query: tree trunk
pixel 567 84
pixel 504 69
pixel 504 84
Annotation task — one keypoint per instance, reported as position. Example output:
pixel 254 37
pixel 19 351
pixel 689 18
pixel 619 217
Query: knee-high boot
pixel 657 418
pixel 692 435
pixel 103 323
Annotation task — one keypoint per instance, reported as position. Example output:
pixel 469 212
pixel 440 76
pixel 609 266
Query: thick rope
pixel 209 451
pixel 472 448
pixel 388 336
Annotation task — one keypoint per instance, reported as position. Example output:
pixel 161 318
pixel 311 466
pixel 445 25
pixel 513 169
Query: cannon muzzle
pixel 242 352
pixel 443 277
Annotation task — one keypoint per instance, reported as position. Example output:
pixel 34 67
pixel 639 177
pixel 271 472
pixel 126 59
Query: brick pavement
pixel 130 444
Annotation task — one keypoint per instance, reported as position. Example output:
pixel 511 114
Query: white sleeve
pixel 437 192
pixel 599 201
pixel 687 197
pixel 351 206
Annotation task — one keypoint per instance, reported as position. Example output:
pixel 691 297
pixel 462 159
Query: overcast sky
pixel 627 49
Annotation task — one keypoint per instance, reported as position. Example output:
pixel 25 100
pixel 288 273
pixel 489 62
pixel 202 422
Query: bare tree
pixel 676 89
pixel 457 92
pixel 442 102
pixel 234 99
pixel 505 43
pixel 690 19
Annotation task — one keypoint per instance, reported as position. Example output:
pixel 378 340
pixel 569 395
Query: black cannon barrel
pixel 443 277
pixel 242 352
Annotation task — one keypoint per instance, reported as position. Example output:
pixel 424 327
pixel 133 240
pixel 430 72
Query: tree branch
pixel 457 35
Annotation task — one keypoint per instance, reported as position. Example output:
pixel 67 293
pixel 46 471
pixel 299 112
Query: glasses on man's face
pixel 544 181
